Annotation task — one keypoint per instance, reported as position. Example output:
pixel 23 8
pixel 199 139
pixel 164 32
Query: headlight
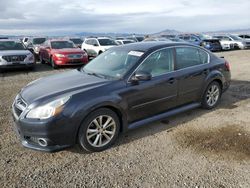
pixel 59 55
pixel 30 57
pixel 46 111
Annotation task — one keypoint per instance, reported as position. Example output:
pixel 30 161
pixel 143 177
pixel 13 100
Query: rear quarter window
pixel 189 57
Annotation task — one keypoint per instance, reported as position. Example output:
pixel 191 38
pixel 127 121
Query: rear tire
pixel 212 95
pixel 99 130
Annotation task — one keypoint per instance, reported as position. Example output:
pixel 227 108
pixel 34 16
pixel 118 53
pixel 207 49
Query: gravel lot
pixel 199 148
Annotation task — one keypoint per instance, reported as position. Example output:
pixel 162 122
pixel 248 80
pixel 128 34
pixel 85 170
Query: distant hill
pixel 166 32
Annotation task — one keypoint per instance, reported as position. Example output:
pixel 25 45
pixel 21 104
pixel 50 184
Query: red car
pixel 62 52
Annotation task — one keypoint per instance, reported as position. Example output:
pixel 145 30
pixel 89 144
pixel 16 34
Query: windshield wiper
pixel 95 74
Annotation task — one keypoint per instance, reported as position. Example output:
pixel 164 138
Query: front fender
pixel 82 110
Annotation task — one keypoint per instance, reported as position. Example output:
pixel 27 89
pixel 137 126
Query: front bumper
pixel 58 132
pixel 17 65
pixel 67 61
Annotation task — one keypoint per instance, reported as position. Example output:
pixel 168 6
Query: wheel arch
pixel 109 105
pixel 213 76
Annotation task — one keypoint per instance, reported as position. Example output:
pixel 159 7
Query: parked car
pixel 124 41
pixel 34 43
pixel 62 52
pixel 13 54
pixel 225 43
pixel 156 39
pixel 202 40
pixel 177 40
pixel 212 44
pixel 237 41
pixel 77 41
pixel 136 38
pixel 98 45
pixel 244 36
pixel 169 36
pixel 191 38
pixel 123 88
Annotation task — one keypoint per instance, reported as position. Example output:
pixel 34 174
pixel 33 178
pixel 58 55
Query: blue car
pixel 201 40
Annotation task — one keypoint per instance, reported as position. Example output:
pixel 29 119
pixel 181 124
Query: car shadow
pixel 238 91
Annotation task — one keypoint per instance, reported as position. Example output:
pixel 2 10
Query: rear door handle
pixel 171 80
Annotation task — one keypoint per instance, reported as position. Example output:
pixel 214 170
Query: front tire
pixel 41 60
pixel 99 130
pixel 55 66
pixel 212 95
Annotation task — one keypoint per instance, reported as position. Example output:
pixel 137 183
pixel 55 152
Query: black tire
pixel 206 103
pixel 100 52
pixel 41 60
pixel 84 142
pixel 55 66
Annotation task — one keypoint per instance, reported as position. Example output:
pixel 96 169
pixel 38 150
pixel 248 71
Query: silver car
pixel 13 54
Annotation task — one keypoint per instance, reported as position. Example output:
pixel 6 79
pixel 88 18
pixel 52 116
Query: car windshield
pixel 11 45
pixel 107 42
pixel 235 37
pixel 39 40
pixel 127 41
pixel 61 44
pixel 77 41
pixel 140 39
pixel 113 63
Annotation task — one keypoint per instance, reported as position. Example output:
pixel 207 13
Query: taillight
pixel 227 66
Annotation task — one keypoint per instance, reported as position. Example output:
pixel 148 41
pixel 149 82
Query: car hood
pixel 67 50
pixel 14 52
pixel 66 83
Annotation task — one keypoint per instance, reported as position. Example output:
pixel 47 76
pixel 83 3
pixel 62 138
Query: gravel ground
pixel 199 148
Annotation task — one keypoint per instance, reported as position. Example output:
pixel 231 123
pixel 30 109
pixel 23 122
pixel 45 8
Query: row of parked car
pixel 213 43
pixel 76 51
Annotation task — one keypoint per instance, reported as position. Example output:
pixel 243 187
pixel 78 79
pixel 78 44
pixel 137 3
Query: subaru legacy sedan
pixel 125 87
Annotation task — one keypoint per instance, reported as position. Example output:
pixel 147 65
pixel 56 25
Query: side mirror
pixel 95 45
pixel 142 76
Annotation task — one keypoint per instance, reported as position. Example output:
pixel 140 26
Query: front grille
pixel 14 58
pixel 75 56
pixel 19 106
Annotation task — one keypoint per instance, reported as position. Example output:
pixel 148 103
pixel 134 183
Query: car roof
pixel 145 46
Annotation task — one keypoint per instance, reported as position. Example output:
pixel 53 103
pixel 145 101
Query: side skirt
pixel 163 115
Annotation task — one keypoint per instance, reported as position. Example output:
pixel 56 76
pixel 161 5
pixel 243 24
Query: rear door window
pixel 189 57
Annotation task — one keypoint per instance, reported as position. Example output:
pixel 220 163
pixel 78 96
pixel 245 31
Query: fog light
pixel 42 142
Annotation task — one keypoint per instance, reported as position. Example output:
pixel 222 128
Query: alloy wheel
pixel 213 95
pixel 101 131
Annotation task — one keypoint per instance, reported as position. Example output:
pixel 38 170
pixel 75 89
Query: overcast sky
pixel 134 16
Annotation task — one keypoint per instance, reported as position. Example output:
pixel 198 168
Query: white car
pixel 99 44
pixel 232 39
pixel 124 41
pixel 13 54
